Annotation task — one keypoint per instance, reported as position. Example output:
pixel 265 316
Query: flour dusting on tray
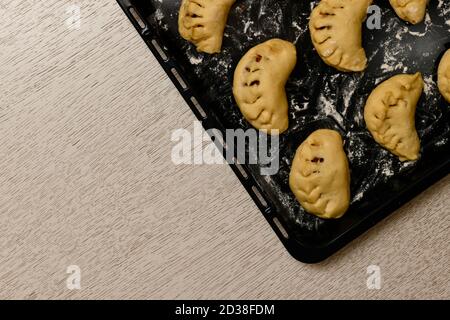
pixel 321 97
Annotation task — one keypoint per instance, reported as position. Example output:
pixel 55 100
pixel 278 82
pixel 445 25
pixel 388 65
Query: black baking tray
pixel 320 97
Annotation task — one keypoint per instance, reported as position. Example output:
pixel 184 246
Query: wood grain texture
pixel 86 178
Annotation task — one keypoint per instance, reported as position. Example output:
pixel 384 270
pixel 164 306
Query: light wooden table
pixel 86 179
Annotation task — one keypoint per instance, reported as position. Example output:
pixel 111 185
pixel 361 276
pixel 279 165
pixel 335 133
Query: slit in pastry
pixel 203 22
pixel 320 175
pixel 336 32
pixel 444 76
pixel 390 115
pixel 412 11
pixel 259 85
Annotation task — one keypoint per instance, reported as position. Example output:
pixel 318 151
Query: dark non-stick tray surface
pixel 320 97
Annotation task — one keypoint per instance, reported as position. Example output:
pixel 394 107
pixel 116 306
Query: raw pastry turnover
pixel 336 32
pixel 412 11
pixel 259 85
pixel 390 115
pixel 320 175
pixel 444 76
pixel 203 22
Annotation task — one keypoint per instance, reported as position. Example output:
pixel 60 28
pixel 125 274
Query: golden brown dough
pixel 444 76
pixel 320 175
pixel 336 32
pixel 412 11
pixel 390 115
pixel 259 84
pixel 203 22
